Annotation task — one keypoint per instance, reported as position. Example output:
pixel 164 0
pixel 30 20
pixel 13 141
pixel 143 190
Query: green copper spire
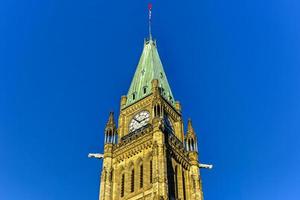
pixel 149 68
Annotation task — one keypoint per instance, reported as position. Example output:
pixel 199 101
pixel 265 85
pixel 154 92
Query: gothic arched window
pixel 111 174
pixel 158 110
pixel 141 176
pixel 183 185
pixel 193 146
pixel 132 181
pixel 151 171
pixel 176 181
pixel 122 185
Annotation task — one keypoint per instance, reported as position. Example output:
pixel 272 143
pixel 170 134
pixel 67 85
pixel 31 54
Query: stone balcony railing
pixel 134 135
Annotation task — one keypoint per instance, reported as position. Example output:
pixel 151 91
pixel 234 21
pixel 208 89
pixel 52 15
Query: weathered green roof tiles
pixel 149 68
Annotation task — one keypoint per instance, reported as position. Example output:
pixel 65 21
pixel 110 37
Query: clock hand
pixel 136 120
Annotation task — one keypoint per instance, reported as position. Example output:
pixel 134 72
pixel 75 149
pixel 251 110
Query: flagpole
pixel 150 10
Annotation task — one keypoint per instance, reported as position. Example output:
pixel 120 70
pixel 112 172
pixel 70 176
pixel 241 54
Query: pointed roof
pixel 149 68
pixel 190 129
pixel 111 120
pixel 190 126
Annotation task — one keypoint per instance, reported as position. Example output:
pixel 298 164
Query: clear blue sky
pixel 234 65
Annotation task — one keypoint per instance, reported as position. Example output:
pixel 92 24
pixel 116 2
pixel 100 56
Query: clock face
pixel 139 120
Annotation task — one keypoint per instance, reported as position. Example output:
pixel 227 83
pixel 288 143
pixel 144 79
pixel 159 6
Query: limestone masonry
pixel 148 156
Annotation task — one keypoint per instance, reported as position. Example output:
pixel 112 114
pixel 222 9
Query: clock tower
pixel 147 154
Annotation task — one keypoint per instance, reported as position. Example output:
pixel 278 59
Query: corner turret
pixel 191 138
pixel 110 130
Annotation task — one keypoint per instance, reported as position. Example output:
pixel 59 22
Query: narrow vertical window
pixel 193 146
pixel 111 175
pixel 151 171
pixel 133 96
pixel 141 176
pixel 176 182
pixel 132 181
pixel 145 90
pixel 122 185
pixel 183 185
pixel 158 110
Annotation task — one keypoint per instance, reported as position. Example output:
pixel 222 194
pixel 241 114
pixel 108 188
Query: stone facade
pixel 153 159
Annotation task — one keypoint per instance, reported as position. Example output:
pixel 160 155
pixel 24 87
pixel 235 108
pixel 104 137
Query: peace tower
pixel 148 155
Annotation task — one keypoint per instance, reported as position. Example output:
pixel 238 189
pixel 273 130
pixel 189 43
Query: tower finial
pixel 150 10
pixel 190 128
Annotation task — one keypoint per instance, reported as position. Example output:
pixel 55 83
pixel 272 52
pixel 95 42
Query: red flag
pixel 150 6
